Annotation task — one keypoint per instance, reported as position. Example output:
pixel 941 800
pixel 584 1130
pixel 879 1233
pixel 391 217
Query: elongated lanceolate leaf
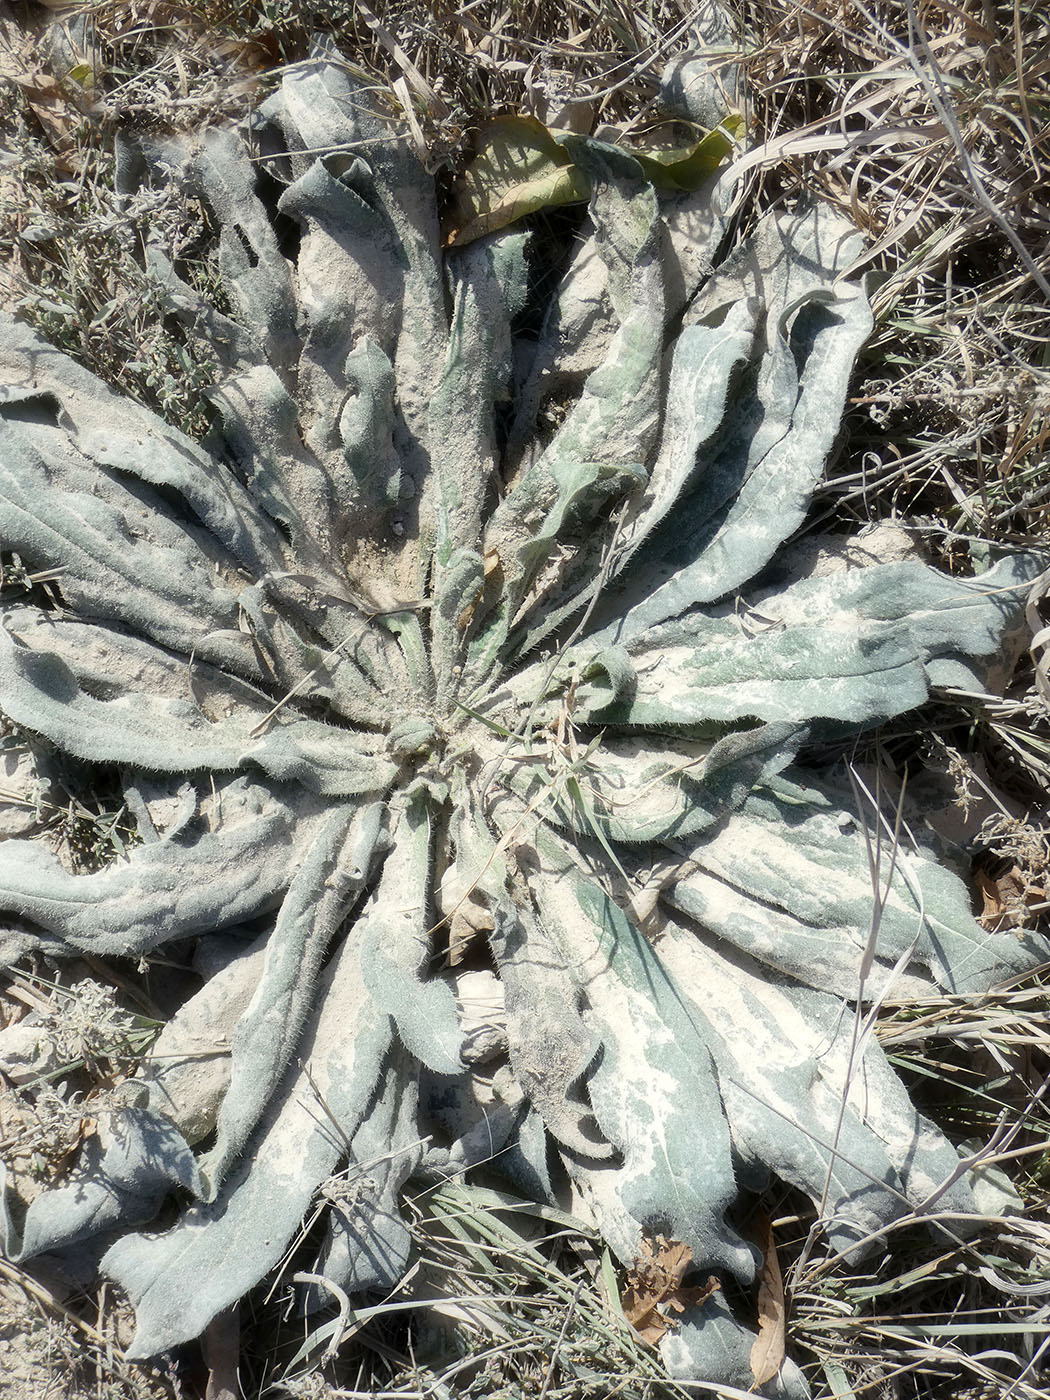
pixel 752 485
pixel 651 1087
pixel 319 898
pixel 368 1242
pixel 179 1280
pixel 856 646
pixel 166 890
pixel 788 881
pixel 168 735
pixel 869 1162
pixel 398 949
pixel 187 1071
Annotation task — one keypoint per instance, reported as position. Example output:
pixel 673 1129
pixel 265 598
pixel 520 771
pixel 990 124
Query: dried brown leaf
pixel 654 1288
pixel 57 106
pixel 770 1346
pixel 1007 898
pixel 491 580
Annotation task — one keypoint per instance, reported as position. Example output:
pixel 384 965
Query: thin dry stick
pixel 932 82
pixel 570 1310
pixel 29 1285
pixel 320 1281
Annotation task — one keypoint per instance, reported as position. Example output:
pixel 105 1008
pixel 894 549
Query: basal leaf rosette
pixel 433 670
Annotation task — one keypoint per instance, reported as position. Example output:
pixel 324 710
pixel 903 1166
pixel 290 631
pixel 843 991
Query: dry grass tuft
pixel 929 126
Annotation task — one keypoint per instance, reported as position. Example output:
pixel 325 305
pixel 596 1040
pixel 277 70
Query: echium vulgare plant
pixel 431 669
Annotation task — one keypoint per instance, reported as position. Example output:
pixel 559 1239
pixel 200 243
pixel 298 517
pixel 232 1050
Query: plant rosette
pixel 434 669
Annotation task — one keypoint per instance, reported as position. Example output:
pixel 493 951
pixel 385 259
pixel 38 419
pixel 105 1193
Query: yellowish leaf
pixel 687 167
pixel 520 167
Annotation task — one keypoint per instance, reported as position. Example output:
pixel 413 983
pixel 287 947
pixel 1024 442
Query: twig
pixel 569 1311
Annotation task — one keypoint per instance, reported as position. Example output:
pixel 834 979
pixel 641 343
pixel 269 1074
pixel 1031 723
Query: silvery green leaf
pixel 702 366
pixel 334 870
pixel 254 272
pixel 860 1150
pixel 179 1280
pixel 187 1070
pixel 368 1242
pixel 477 1118
pixel 551 1048
pixel 694 88
pixel 787 880
pixel 488 285
pixel 398 950
pixel 165 890
pixel 170 735
pixel 160 584
pixel 651 1087
pixel 752 484
pixel 635 792
pixel 526 1163
pixel 113 445
pixel 711 1343
pixel 853 646
pixel 126 1170
pixel 603 446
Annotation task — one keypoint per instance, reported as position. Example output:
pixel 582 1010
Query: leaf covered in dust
pixel 430 700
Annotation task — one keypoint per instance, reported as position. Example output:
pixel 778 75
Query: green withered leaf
pixel 180 1279
pixel 813 917
pixel 265 1036
pixel 472 724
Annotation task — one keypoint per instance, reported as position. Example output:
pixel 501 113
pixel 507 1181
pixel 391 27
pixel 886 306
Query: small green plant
pixel 495 739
